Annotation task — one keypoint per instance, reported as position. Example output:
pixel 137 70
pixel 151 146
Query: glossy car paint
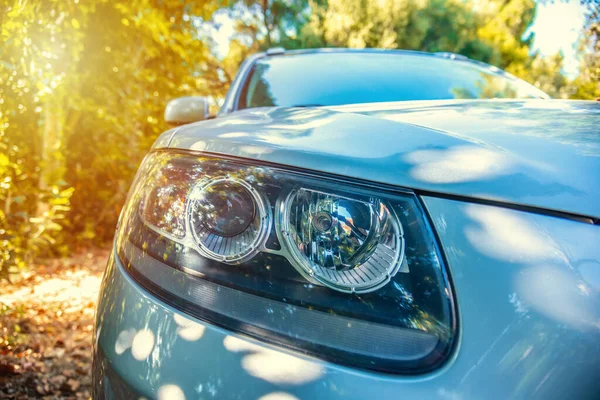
pixel 526 288
pixel 542 153
pixel 526 283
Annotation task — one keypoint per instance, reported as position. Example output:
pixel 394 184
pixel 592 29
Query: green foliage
pixel 33 198
pixel 428 25
pixel 587 84
pixel 272 22
pixel 546 74
pixel 137 57
pixel 83 86
pixel 492 31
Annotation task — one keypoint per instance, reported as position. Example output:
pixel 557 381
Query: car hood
pixel 541 153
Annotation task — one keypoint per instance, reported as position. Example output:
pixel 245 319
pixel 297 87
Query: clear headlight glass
pixel 228 219
pixel 347 272
pixel 343 243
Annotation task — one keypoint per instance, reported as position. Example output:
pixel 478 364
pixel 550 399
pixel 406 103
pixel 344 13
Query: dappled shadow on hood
pixel 458 164
pixel 273 366
pixel 571 123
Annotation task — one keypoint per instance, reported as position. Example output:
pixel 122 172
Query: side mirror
pixel 185 110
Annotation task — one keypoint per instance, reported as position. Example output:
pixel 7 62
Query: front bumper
pixel 145 348
pixel 528 328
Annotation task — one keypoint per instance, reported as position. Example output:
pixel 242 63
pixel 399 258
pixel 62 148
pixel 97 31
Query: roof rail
pixel 452 56
pixel 275 51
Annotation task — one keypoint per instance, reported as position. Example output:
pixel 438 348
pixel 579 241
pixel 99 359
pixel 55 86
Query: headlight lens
pixel 345 244
pixel 228 219
pixel 346 272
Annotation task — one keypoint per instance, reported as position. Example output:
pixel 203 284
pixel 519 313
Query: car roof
pixel 279 51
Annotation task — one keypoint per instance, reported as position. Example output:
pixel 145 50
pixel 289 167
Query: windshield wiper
pixel 308 105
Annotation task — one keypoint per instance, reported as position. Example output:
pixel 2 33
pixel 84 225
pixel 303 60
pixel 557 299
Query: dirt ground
pixel 46 324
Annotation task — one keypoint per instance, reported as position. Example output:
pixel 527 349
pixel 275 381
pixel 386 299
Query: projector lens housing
pixel 228 218
pixel 349 272
pixel 228 207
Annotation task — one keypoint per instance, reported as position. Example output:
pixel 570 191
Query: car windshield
pixel 337 78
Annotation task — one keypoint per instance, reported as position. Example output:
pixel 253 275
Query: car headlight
pixel 341 270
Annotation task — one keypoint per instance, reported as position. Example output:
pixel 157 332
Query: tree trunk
pixel 265 8
pixel 52 162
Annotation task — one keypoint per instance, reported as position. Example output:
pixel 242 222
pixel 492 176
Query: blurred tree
pixel 272 22
pixel 35 63
pixel 82 91
pixel 138 55
pixel 504 25
pixel 587 84
pixel 260 25
pixel 546 74
pixel 490 31
pixel 83 85
pixel 429 25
